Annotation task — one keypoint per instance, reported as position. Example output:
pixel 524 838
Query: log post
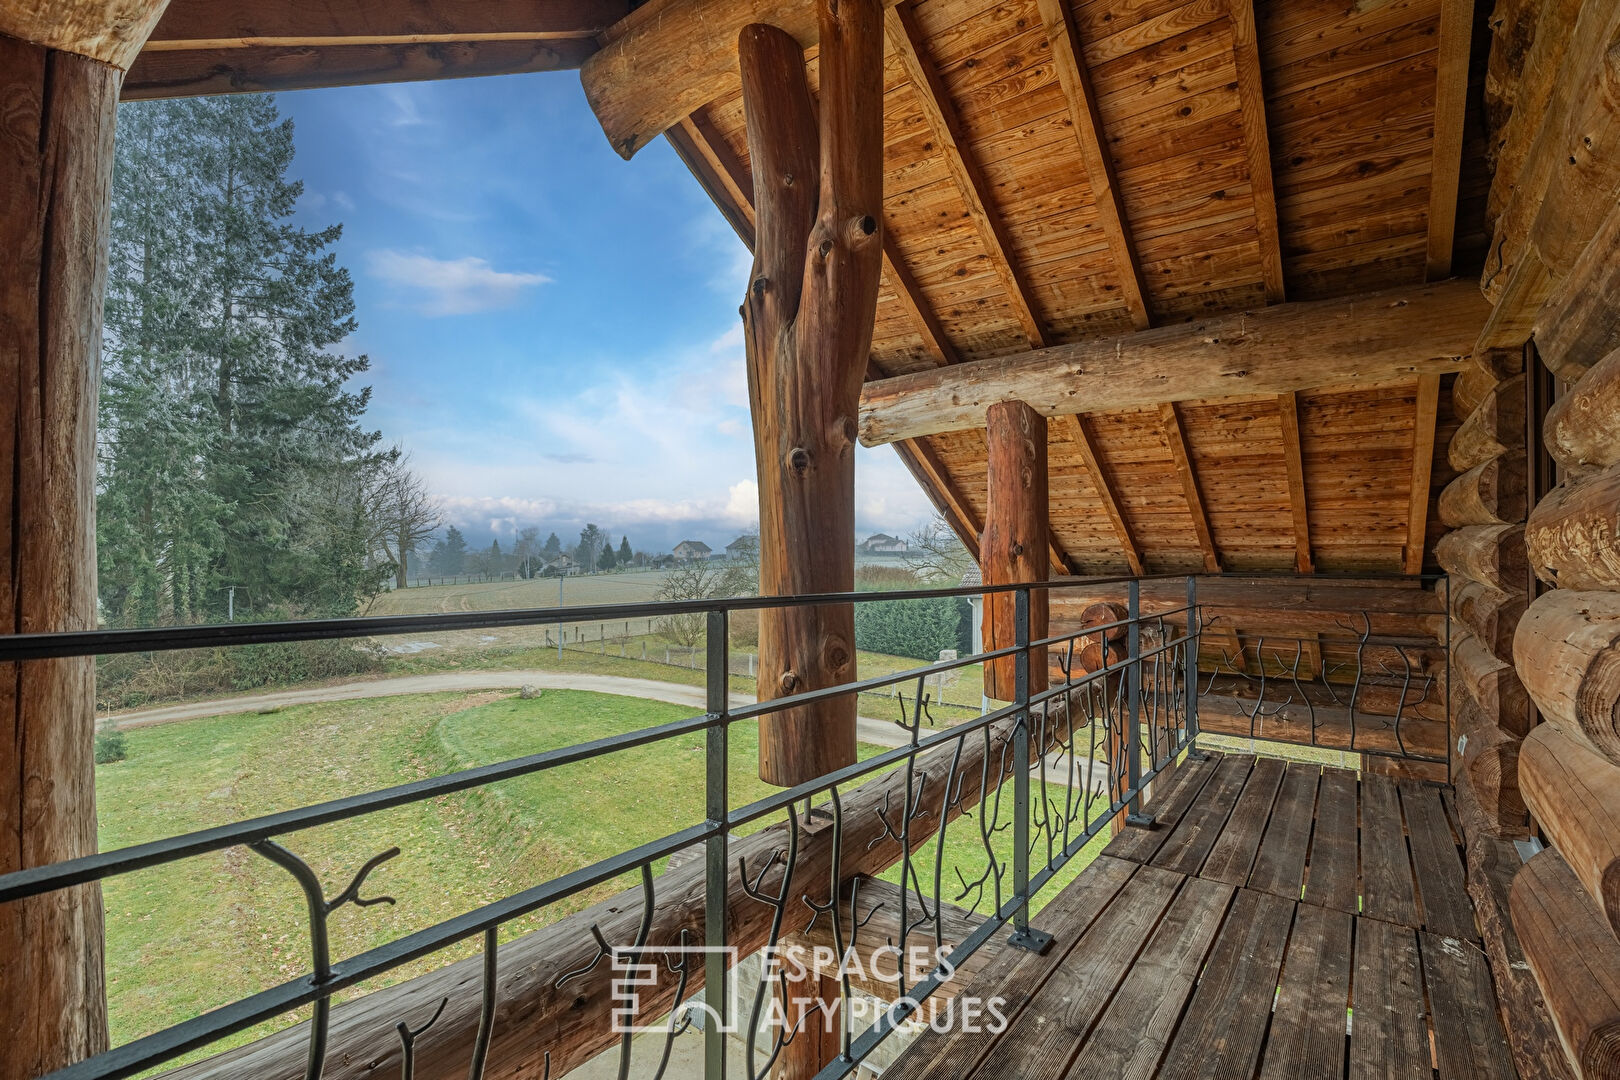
pixel 807 319
pixel 61 65
pixel 1014 547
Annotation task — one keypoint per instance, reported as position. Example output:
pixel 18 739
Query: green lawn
pixel 193 935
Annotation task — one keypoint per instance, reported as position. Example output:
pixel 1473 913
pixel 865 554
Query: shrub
pixel 134 679
pixel 110 746
pixel 916 628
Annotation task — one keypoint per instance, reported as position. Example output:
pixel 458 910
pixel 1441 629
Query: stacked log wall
pixel 1556 693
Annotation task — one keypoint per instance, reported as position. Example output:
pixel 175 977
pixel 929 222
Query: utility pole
pixel 561 577
pixel 230 603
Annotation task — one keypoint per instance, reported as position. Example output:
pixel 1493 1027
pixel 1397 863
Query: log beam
pixel 1014 550
pixel 1493 684
pixel 1075 80
pixel 1488 494
pixel 933 97
pixel 1391 336
pixel 233 24
pixel 1493 429
pixel 1450 102
pixel 1175 441
pixel 1567 649
pixel 807 325
pixel 60 68
pixel 1417 510
pixel 1581 319
pixel 1493 554
pixel 1081 433
pixel 1294 464
pixel 1574 794
pixel 1491 615
pixel 1573 535
pixel 1582 429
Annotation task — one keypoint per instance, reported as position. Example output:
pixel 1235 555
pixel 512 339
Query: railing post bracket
pixel 1032 940
pixel 1141 821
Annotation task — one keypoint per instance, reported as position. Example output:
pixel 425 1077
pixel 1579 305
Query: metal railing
pixel 1132 717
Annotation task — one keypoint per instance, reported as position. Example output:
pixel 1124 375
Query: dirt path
pixel 876 732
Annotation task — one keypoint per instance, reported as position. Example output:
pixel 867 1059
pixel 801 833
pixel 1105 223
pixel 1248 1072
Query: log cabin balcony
pixel 1264 358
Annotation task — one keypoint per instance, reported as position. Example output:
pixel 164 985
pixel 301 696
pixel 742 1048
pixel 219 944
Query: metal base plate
pixel 1141 821
pixel 1036 941
pixel 1197 755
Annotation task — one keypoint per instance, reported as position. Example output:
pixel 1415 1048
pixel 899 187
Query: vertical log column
pixel 1013 550
pixel 808 320
pixel 55 172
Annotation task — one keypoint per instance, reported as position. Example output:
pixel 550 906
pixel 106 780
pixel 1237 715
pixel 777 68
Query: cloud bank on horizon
pixel 553 331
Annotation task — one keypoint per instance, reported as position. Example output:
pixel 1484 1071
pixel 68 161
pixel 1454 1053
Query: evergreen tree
pixel 625 554
pixel 231 446
pixel 455 552
pixel 607 560
pixel 553 549
pixel 591 541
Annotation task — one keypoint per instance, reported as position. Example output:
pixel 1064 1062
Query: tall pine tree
pixel 231 446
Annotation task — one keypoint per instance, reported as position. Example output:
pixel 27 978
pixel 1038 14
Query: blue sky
pixel 553 331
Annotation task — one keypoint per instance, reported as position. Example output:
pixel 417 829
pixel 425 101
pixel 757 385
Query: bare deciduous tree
pixel 935 554
pixel 698 581
pixel 402 511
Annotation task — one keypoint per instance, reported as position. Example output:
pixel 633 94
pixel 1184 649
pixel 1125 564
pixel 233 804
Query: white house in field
pixel 882 544
pixel 692 551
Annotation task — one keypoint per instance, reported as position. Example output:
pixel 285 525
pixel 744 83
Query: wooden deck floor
pixel 1280 921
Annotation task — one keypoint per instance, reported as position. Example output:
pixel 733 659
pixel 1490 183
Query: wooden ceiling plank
pixel 1175 439
pixel 1088 132
pixel 911 298
pixel 908 42
pixel 1257 146
pixel 1293 459
pixel 1084 442
pixel 1417 513
pixel 1450 103
pixel 1389 336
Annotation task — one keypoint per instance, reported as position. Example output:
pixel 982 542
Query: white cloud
pixel 343 201
pixel 451 286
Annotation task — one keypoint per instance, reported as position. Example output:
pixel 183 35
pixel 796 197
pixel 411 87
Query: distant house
pixel 882 544
pixel 743 549
pixel 692 551
pixel 561 566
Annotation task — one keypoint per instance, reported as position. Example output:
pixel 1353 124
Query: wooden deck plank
pixel 1048 1032
pixel 1280 866
pixel 1016 974
pixel 1332 877
pixel 1386 870
pixel 1307 1027
pixel 1130 1039
pixel 1226 1020
pixel 1388 1037
pixel 1141 844
pixel 1468 1039
pixel 1444 893
pixel 1233 854
pixel 1187 847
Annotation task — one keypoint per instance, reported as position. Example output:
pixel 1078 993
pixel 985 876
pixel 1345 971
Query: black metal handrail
pixel 1155 683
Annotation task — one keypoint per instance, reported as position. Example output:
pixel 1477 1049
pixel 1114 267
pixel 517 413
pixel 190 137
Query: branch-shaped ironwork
pixel 407 1040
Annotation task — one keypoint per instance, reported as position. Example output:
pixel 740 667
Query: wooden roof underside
pixel 1065 169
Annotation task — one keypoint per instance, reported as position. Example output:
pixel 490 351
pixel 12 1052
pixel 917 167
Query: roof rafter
pixel 240 24
pixel 1294 462
pixel 1257 146
pixel 1088 133
pixel 1417 513
pixel 1105 490
pixel 1176 440
pixel 1450 103
pixel 907 40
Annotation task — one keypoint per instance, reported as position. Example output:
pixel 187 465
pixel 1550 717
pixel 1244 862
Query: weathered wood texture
pixel 1492 430
pixel 1472 384
pixel 111 31
pixel 1490 614
pixel 1489 494
pixel 534 1016
pixel 1582 429
pixel 1494 685
pixel 1574 794
pixel 1422 330
pixel 1014 547
pixel 55 178
pixel 1492 554
pixel 1576 961
pixel 1580 321
pixel 1492 861
pixel 807 324
pixel 1567 650
pixel 1571 537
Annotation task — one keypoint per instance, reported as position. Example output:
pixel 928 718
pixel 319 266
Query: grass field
pixel 193 935
pixel 626 588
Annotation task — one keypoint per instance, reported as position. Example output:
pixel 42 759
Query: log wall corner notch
pixel 807 321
